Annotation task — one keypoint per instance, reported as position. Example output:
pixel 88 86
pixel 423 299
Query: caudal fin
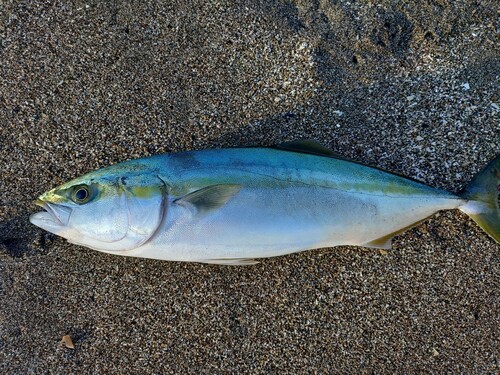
pixel 482 195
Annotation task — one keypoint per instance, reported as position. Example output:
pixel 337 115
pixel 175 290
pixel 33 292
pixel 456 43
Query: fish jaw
pixel 54 219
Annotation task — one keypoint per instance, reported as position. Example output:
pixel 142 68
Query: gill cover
pixel 124 217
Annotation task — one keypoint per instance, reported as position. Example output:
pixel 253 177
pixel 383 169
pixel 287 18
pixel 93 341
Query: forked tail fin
pixel 482 195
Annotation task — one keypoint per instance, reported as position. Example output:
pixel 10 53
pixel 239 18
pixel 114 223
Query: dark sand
pixel 406 86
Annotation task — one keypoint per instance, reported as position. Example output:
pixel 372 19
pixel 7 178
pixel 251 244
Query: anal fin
pixel 385 242
pixel 380 243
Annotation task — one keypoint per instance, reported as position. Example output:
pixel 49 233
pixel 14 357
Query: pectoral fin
pixel 209 198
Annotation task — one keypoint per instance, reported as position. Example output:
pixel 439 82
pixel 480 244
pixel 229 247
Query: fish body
pixel 231 206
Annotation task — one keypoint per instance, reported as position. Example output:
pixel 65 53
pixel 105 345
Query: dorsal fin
pixel 309 146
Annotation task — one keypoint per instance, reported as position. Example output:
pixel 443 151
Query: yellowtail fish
pixel 232 206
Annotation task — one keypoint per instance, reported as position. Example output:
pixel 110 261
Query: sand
pixel 407 86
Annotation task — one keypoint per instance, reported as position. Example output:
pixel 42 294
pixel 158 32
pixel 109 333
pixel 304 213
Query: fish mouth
pixel 53 219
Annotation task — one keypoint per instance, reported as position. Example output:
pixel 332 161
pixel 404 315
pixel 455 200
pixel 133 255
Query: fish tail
pixel 482 195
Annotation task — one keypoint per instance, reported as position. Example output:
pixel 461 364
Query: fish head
pixel 111 210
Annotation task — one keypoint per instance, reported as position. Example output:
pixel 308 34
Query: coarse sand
pixel 408 86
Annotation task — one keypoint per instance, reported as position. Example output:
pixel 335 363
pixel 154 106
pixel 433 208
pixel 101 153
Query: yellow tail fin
pixel 482 194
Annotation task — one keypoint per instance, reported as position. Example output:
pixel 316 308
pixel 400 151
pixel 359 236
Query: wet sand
pixel 411 88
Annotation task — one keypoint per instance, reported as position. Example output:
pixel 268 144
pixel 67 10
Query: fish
pixel 234 206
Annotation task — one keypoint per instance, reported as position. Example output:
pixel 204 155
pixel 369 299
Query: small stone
pixel 466 86
pixel 303 46
pixel 67 342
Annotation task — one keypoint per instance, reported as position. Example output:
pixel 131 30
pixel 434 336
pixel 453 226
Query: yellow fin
pixel 385 242
pixel 483 193
pixel 380 243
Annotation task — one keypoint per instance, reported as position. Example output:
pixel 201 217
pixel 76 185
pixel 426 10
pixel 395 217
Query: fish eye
pixel 81 194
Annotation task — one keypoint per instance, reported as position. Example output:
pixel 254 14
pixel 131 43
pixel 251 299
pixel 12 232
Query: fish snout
pixel 53 219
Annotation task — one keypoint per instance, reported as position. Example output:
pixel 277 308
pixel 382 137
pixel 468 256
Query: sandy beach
pixel 411 87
